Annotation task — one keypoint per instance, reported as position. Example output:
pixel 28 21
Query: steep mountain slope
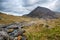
pixel 42 12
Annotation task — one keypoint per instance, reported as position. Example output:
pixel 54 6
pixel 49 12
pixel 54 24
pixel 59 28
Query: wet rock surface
pixel 12 31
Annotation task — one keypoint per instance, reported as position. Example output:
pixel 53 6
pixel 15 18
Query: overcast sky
pixel 21 7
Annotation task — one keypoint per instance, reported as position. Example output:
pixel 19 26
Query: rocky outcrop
pixel 12 32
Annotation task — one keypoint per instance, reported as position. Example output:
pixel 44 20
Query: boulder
pixel 4 35
pixel 3 26
pixel 10 30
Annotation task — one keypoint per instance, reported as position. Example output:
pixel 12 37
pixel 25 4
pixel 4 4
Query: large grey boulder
pixel 4 35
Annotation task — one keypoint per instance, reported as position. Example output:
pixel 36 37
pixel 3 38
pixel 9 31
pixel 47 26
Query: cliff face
pixel 42 12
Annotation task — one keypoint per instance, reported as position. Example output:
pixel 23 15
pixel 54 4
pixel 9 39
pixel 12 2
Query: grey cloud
pixel 57 6
pixel 27 3
pixel 26 6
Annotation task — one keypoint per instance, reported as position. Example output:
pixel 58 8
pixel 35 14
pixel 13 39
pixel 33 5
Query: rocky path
pixel 12 32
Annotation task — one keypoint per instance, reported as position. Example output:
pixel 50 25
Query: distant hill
pixel 6 19
pixel 58 14
pixel 42 12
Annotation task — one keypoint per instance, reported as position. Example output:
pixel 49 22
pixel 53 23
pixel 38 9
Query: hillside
pixel 6 19
pixel 36 29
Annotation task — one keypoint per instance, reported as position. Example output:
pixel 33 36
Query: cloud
pixel 21 7
pixel 51 4
pixel 14 6
pixel 57 6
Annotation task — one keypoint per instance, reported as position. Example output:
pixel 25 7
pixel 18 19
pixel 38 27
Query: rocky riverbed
pixel 12 31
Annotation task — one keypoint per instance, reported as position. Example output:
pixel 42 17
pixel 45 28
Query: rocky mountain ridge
pixel 41 12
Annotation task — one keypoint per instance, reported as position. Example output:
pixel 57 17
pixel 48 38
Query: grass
pixel 6 19
pixel 38 31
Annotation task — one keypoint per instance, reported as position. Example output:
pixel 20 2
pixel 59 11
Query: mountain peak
pixel 42 12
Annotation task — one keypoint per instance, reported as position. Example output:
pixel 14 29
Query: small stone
pixel 1 38
pixel 15 38
pixel 19 37
pixel 3 26
pixel 12 27
pixel 21 32
pixel 10 30
pixel 24 38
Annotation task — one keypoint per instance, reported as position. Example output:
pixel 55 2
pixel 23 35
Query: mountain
pixel 49 29
pixel 41 12
pixel 58 14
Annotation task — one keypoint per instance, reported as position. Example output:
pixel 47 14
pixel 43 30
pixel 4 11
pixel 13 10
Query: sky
pixel 21 7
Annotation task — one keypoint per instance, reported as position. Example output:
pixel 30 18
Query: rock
pixel 1 38
pixel 24 37
pixel 19 37
pixel 4 35
pixel 0 29
pixel 10 30
pixel 3 26
pixel 15 33
pixel 12 27
pixel 15 38
pixel 11 38
pixel 21 32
